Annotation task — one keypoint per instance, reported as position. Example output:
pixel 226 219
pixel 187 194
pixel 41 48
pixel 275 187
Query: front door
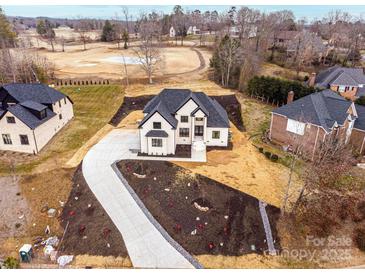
pixel 199 130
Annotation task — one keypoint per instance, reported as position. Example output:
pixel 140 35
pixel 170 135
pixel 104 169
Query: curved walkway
pixel 146 246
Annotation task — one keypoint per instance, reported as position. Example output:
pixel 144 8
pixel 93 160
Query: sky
pixel 104 11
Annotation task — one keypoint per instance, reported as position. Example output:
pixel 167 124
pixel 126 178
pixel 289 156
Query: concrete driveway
pixel 147 247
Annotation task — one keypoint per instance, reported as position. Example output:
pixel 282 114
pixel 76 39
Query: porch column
pixel 192 128
pixel 205 129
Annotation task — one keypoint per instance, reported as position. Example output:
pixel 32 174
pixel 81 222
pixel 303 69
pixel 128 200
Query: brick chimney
pixel 290 97
pixel 312 79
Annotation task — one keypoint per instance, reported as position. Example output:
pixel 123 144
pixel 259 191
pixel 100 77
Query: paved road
pixel 146 246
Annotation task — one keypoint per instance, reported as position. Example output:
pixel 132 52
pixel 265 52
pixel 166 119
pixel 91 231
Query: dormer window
pixel 42 114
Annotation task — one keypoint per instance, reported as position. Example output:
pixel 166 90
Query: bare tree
pixel 148 51
pixel 331 161
pixel 20 65
pixel 125 71
pixel 83 28
pixel 226 57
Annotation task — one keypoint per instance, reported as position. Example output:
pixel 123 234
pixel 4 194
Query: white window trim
pixel 296 127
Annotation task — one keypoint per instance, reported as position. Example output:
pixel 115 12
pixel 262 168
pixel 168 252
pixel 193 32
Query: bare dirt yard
pixel 14 209
pixel 201 214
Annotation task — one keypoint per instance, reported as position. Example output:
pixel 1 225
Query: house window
pixel 199 130
pixel 295 127
pixel 156 125
pixel 24 139
pixel 10 120
pixel 59 103
pixel 216 134
pixel 7 139
pixel 60 116
pixel 64 101
pixel 156 142
pixel 184 119
pixel 342 88
pixel 184 132
pixel 198 119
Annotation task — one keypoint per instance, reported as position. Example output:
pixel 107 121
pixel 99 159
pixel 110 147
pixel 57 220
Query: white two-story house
pixel 181 117
pixel 30 115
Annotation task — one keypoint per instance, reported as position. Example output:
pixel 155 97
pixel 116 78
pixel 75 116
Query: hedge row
pixel 276 89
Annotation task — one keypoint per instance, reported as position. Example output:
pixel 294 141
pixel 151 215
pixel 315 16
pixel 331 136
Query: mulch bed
pixel 129 104
pixel 181 151
pixel 90 231
pixel 231 224
pixel 229 102
pixel 233 108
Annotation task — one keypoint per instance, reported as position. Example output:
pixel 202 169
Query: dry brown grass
pixel 273 70
pixel 245 261
pixel 209 87
pixel 102 262
pixel 245 169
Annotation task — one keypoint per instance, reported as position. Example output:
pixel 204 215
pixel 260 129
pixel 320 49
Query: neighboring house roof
pixel 30 98
pixel 360 121
pixel 33 105
pixel 168 101
pixel 157 133
pixel 304 40
pixel 2 111
pixel 360 92
pixel 284 35
pixel 39 93
pixel 337 75
pixel 325 109
pixel 24 115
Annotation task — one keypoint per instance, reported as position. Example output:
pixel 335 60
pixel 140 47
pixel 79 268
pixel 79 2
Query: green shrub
pixel 261 150
pixel 268 154
pixel 360 101
pixel 274 157
pixel 11 263
pixel 277 89
pixel 360 238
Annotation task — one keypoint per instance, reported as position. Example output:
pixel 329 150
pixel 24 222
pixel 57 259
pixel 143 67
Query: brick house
pixel 349 82
pixel 312 119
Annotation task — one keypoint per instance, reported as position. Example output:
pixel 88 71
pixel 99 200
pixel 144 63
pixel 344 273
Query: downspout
pixel 272 116
pixel 35 142
pixel 315 144
pixel 362 145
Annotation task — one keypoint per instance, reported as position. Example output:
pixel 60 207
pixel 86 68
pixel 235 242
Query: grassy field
pixel 93 107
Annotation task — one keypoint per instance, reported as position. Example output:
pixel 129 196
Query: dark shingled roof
pixel 337 75
pixel 360 121
pixel 39 93
pixel 360 92
pixel 27 117
pixel 33 105
pixel 323 108
pixel 168 101
pixel 157 133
